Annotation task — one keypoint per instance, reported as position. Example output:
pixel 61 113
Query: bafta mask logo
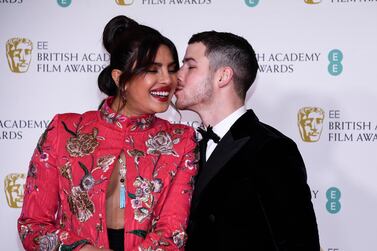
pixel 14 189
pixel 313 1
pixel 124 2
pixel 310 123
pixel 19 54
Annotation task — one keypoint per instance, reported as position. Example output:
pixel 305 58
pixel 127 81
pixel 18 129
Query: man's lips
pixel 179 88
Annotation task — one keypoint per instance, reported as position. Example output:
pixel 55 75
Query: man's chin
pixel 180 106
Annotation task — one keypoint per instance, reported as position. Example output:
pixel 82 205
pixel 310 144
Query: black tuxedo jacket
pixel 252 194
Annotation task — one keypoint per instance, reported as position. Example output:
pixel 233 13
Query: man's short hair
pixel 227 49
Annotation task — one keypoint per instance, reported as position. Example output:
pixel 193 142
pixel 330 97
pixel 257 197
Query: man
pixel 251 191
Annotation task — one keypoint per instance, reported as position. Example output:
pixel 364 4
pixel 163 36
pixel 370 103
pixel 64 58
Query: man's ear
pixel 115 74
pixel 224 76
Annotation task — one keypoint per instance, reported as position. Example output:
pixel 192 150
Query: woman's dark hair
pixel 133 48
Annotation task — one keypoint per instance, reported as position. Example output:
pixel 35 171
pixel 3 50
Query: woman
pixel 117 176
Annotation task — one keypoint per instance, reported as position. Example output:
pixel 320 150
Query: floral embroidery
pixel 66 171
pixel 136 154
pixel 104 162
pixel 178 131
pixel 161 143
pixel 143 199
pixel 179 238
pixel 43 156
pixel 150 249
pixel 112 117
pixel 24 231
pixel 142 123
pixel 32 170
pixel 82 144
pixel 85 161
pixel 48 242
pixel 43 138
pixel 80 204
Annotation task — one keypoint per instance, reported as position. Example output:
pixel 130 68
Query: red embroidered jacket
pixel 65 193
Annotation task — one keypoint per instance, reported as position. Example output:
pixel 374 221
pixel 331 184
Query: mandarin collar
pixel 134 123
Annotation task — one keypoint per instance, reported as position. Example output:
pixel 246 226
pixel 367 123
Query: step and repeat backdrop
pixel 316 83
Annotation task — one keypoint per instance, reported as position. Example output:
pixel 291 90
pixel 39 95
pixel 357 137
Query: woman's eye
pixel 152 70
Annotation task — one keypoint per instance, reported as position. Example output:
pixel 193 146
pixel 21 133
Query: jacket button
pixel 212 218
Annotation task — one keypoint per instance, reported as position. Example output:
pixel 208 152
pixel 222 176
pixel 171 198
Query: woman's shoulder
pixel 76 120
pixel 70 116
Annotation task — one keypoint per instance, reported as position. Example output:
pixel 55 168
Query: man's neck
pixel 214 114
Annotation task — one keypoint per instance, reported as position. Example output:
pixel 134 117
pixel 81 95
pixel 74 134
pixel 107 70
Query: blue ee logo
pixel 251 3
pixel 335 58
pixel 333 196
pixel 64 3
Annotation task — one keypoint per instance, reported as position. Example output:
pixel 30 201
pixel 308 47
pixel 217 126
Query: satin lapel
pixel 224 151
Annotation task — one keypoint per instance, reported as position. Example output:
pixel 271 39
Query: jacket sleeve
pixel 37 225
pixel 170 226
pixel 285 197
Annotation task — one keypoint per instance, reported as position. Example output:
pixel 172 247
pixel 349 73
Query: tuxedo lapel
pixel 229 145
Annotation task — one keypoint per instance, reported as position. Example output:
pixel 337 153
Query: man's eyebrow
pixel 188 59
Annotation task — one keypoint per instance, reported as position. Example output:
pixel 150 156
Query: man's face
pixel 310 123
pixel 194 87
pixel 19 56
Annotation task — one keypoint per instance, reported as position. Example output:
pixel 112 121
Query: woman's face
pixel 151 92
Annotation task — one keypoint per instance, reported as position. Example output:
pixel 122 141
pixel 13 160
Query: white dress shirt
pixel 223 127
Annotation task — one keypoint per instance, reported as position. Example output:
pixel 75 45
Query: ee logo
pixel 64 3
pixel 335 58
pixel 333 196
pixel 251 3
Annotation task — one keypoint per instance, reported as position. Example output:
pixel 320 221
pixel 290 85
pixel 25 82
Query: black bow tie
pixel 208 134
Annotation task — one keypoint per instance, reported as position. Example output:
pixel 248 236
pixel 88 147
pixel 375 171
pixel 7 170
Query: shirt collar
pixel 224 125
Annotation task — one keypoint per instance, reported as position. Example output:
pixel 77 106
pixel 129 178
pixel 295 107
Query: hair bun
pixel 114 29
pixel 106 83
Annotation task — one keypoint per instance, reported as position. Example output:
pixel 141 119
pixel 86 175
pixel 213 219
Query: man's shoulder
pixel 261 131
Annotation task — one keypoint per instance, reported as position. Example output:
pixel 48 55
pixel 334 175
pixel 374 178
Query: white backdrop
pixel 312 53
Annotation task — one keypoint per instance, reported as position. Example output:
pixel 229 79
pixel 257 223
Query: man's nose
pixel 180 75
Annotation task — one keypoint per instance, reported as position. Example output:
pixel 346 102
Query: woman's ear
pixel 115 74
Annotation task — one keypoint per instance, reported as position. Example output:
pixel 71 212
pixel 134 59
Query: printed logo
pixel 14 189
pixel 313 1
pixel 64 3
pixel 333 196
pixel 284 62
pixel 15 129
pixel 10 1
pixel 335 66
pixel 175 2
pixel 310 123
pixel 19 51
pixel 252 3
pixel 124 2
